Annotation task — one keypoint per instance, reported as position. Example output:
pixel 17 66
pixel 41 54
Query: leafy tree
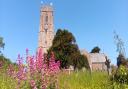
pixel 66 50
pixel 95 50
pixel 2 44
pixel 4 62
pixel 80 62
pixel 121 60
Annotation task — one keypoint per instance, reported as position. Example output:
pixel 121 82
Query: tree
pixel 95 50
pixel 121 60
pixel 65 48
pixel 81 62
pixel 2 44
pixel 107 63
pixel 120 44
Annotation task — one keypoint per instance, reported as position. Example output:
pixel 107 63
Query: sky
pixel 92 22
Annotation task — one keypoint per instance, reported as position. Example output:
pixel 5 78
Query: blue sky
pixel 91 21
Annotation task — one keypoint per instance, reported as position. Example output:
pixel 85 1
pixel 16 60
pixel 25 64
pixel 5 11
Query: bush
pixel 121 75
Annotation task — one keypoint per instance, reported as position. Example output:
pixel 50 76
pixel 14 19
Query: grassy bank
pixel 85 80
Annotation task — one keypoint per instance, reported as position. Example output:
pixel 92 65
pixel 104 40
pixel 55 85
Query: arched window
pixel 46 31
pixel 46 19
pixel 46 42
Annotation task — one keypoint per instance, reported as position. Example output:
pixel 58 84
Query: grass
pixel 85 80
pixel 6 82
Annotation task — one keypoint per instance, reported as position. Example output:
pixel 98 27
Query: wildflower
pixel 10 70
pixel 32 83
pixel 37 67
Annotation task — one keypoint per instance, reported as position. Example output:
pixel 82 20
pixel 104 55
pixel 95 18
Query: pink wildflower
pixel 32 83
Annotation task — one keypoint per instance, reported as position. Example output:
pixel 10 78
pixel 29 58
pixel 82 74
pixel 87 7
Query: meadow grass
pixel 6 82
pixel 85 80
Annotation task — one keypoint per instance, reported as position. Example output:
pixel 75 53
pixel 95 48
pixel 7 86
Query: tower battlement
pixel 46 8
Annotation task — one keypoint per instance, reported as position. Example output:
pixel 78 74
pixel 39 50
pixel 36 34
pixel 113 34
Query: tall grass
pixel 85 80
pixel 6 82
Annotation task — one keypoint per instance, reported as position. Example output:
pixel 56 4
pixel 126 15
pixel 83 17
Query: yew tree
pixel 66 50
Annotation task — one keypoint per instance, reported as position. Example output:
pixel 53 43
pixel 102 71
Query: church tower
pixel 46 31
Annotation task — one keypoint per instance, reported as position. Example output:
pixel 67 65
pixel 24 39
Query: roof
pixel 97 57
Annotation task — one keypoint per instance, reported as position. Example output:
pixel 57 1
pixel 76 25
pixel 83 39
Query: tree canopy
pixel 121 60
pixel 95 50
pixel 2 44
pixel 66 50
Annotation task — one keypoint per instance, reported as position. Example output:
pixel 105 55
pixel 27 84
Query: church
pixel 46 35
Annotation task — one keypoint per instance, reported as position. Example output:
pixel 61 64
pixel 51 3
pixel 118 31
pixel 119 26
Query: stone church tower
pixel 46 31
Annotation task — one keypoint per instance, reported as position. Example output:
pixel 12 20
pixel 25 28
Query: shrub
pixel 121 75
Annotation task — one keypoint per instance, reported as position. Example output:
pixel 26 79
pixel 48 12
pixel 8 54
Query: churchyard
pixel 58 61
pixel 37 75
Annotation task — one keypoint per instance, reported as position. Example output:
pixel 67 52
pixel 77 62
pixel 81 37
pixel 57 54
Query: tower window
pixel 46 30
pixel 46 19
pixel 45 42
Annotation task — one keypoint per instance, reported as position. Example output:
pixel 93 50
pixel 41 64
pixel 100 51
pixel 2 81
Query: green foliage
pixel 4 62
pixel 6 82
pixel 121 75
pixel 4 59
pixel 119 86
pixel 66 50
pixel 95 50
pixel 121 60
pixel 1 43
pixel 52 86
pixel 81 62
pixel 113 70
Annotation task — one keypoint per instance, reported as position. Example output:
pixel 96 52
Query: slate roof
pixel 97 57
